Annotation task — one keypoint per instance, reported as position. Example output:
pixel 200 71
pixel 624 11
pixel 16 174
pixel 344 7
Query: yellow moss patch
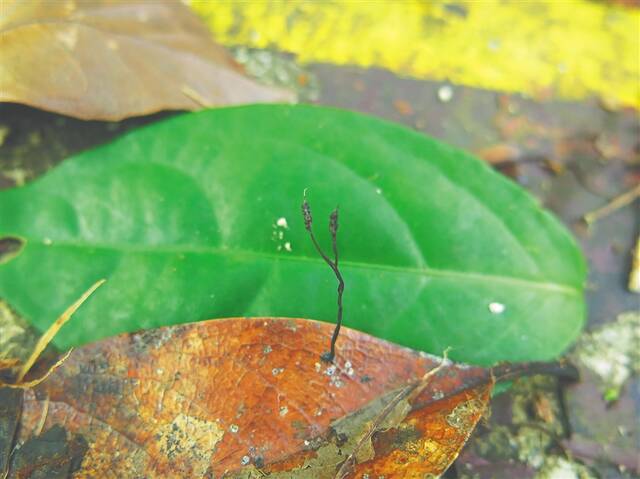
pixel 569 48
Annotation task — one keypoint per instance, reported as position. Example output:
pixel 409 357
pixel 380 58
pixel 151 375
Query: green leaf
pixel 182 219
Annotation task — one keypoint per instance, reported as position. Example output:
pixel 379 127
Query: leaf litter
pixel 168 419
pixel 153 56
pixel 200 400
pixel 221 398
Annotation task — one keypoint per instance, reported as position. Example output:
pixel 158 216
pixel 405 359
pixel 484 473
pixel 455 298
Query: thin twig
pixel 411 391
pixel 560 369
pixel 615 204
pixel 35 382
pixel 333 264
pixel 43 417
pixel 46 338
pixel 196 97
pixel 634 273
pixel 333 228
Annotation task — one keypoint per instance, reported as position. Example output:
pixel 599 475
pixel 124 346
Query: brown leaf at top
pixel 243 398
pixel 111 59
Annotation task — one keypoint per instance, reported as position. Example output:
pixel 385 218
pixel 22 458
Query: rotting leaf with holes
pixel 242 398
pixel 198 217
pixel 107 59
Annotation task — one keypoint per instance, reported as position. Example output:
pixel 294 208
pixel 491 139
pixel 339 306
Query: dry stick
pixel 634 274
pixel 618 202
pixel 43 417
pixel 31 384
pixel 412 390
pixel 196 97
pixel 46 338
pixel 333 229
pixel 561 369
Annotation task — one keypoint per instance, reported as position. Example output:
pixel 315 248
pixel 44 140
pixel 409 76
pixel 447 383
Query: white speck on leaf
pixel 336 382
pixel 282 223
pixel 497 308
pixel 330 371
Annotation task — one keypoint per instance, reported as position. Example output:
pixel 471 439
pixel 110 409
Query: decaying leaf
pixel 243 398
pixel 110 59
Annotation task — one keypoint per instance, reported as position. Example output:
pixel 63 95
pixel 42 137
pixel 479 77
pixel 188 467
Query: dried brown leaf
pixel 112 59
pixel 246 398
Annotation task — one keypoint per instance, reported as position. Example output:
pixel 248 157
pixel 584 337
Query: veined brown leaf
pixel 110 59
pixel 243 398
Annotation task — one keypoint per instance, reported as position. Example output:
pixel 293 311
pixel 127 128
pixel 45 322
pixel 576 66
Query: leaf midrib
pixel 418 271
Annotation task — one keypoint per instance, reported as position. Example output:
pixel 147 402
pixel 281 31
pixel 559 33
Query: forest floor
pixel 574 156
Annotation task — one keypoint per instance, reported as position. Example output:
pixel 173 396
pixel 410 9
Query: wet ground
pixel 574 156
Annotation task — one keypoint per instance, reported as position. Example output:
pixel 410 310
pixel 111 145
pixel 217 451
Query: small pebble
pixel 445 93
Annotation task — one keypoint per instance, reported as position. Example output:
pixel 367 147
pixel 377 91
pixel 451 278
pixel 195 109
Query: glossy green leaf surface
pixel 199 217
